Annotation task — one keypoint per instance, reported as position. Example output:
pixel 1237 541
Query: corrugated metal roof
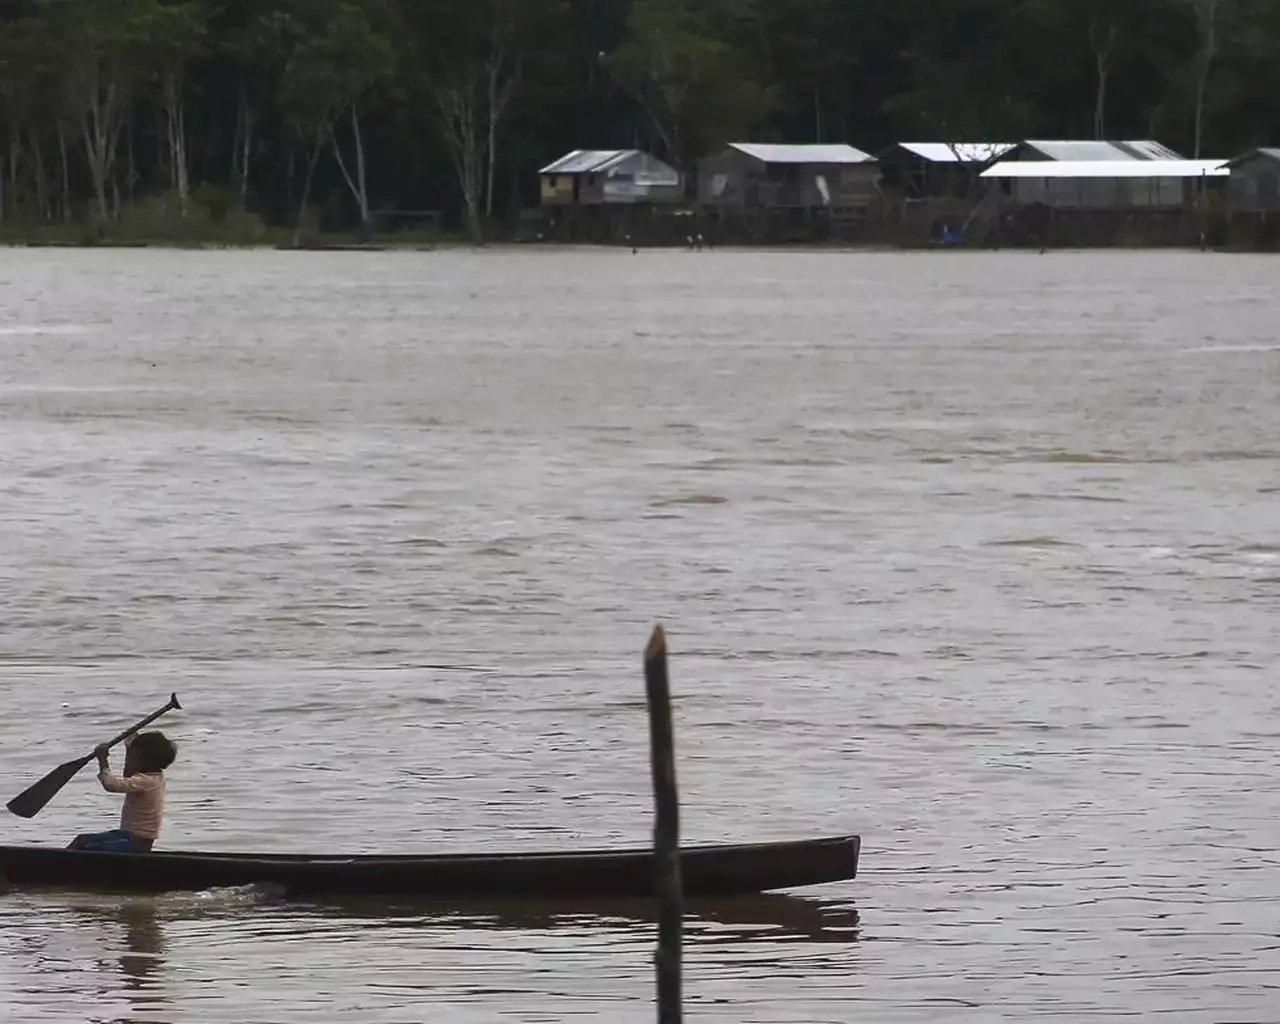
pixel 805 153
pixel 1083 149
pixel 1270 152
pixel 1127 168
pixel 589 161
pixel 957 152
pixel 1149 149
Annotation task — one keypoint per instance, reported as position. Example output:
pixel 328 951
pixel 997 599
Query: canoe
pixel 707 871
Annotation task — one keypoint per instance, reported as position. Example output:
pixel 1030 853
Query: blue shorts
pixel 115 841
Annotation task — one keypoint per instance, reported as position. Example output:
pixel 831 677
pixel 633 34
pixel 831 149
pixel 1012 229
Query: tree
pixel 473 56
pixel 697 90
pixel 175 37
pixel 104 47
pixel 24 86
pixel 257 43
pixel 412 100
pixel 330 77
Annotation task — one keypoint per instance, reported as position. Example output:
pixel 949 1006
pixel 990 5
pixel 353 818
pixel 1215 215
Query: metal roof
pixel 806 153
pixel 1082 149
pixel 1127 168
pixel 957 152
pixel 1270 152
pixel 589 161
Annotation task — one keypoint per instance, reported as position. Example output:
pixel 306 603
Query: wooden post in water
pixel 666 830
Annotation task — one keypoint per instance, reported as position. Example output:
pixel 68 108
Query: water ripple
pixel 942 561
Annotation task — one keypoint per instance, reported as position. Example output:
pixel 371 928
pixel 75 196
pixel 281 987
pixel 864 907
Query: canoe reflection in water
pixel 160 958
pixel 766 916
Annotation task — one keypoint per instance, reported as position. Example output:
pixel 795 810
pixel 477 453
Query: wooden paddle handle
pixel 171 706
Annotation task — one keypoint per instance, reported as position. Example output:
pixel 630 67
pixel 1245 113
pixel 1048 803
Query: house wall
pixel 630 182
pixel 1255 185
pixel 733 178
pixel 724 179
pixel 557 189
pixel 909 175
pixel 1105 193
pixel 624 189
pixel 847 184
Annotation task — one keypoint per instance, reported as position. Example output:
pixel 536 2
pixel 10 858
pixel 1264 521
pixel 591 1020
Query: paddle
pixel 31 801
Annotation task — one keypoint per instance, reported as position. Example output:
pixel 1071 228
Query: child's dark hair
pixel 154 751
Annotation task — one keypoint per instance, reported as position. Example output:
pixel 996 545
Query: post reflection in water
pixel 133 934
pixel 142 961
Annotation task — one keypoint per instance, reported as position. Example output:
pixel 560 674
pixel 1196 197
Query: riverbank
pixel 206 237
pixel 85 236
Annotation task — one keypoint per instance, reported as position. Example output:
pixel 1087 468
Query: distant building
pixel 1090 150
pixel 1255 181
pixel 927 170
pixel 596 177
pixel 749 175
pixel 1125 184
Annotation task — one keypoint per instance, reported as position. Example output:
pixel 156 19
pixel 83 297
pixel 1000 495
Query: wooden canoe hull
pixel 707 871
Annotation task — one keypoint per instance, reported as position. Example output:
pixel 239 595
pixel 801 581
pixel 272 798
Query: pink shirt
pixel 143 801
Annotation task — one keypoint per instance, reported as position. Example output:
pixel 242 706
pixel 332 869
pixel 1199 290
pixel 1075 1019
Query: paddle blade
pixel 31 801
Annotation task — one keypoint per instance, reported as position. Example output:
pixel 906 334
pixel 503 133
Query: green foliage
pixel 697 87
pixel 112 110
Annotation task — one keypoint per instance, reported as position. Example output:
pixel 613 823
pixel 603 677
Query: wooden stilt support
pixel 666 831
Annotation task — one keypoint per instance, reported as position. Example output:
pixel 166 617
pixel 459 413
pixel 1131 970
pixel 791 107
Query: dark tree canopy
pixel 336 112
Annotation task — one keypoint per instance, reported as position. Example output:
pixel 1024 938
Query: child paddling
pixel 147 756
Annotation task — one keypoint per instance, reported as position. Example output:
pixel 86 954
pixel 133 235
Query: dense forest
pixel 357 113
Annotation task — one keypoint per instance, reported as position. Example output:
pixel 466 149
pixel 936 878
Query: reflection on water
pixel 977 555
pixel 775 917
pixel 458 954
pixel 142 961
pixel 119 942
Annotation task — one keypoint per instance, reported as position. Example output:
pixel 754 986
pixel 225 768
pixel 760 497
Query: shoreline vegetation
pixel 163 223
pixel 230 122
pixel 72 236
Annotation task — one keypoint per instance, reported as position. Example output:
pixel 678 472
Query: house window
pixel 591 180
pixel 551 181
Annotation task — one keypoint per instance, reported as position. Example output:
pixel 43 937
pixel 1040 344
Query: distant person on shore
pixel 147 755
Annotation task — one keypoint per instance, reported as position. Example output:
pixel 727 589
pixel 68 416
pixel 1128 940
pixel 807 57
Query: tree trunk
pixel 289 176
pixel 1104 43
pixel 15 153
pixel 131 164
pixel 358 184
pixel 459 121
pixel 65 190
pixel 1207 11
pixel 306 183
pixel 666 133
pixel 175 118
pixel 362 178
pixel 6 195
pixel 244 150
pixel 499 95
pixel 41 178
pixel 94 144
pixel 491 147
pixel 37 176
pixel 100 131
pixel 233 168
